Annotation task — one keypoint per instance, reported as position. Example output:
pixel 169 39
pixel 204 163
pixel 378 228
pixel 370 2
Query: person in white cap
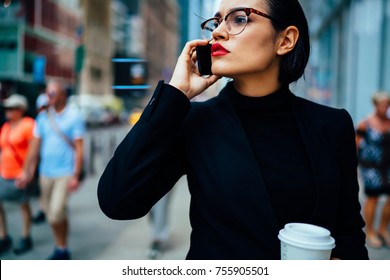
pixel 42 102
pixel 15 137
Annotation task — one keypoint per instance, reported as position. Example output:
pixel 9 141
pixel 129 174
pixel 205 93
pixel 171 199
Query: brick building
pixel 38 41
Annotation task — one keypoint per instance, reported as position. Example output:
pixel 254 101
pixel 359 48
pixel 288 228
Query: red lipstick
pixel 218 50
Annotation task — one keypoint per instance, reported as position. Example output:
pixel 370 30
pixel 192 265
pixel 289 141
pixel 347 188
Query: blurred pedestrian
pixel 373 144
pixel 256 156
pixel 58 142
pixel 42 104
pixel 160 227
pixel 16 134
pixel 158 215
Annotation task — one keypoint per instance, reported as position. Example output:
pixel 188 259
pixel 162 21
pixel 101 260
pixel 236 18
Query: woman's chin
pixel 220 72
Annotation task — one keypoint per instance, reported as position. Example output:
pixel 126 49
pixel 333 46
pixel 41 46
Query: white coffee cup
pixel 299 241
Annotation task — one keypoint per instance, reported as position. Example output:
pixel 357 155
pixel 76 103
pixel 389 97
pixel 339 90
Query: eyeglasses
pixel 236 22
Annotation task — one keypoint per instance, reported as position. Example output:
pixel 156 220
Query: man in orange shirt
pixel 15 137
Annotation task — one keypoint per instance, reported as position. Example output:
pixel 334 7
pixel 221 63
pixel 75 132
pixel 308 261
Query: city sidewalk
pixel 92 234
pixel 132 243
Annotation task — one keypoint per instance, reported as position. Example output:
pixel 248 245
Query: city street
pixel 93 236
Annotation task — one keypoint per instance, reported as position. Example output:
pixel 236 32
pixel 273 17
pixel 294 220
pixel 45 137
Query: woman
pixel 15 136
pixel 373 143
pixel 256 156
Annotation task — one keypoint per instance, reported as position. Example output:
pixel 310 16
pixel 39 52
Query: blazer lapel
pixel 319 154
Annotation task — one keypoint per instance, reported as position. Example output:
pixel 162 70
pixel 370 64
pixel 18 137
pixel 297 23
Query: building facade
pixel 37 42
pixel 76 40
pixel 95 77
pixel 38 32
pixel 350 57
pixel 161 37
pixel 151 49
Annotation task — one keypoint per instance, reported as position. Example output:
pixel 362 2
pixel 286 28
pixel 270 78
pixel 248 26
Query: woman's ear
pixel 287 40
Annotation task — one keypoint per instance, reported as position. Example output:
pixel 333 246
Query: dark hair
pixel 290 13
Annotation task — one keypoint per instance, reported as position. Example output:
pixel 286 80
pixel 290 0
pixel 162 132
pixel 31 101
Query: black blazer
pixel 231 213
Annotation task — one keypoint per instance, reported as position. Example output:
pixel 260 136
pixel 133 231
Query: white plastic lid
pixel 307 236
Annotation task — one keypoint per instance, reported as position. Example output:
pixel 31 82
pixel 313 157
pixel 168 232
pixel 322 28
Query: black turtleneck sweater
pixel 274 136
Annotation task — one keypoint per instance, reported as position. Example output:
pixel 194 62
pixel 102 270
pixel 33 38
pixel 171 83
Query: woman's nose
pixel 221 31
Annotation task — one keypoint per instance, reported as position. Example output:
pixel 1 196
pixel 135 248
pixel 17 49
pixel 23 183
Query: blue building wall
pixel 350 53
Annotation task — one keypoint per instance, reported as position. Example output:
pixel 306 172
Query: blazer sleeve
pixel 350 238
pixel 149 160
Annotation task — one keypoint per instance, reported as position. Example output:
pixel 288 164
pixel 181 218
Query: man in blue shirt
pixel 58 143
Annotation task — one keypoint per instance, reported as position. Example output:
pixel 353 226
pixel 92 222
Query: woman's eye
pixel 240 20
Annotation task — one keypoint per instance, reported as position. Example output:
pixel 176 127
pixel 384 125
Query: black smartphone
pixel 203 55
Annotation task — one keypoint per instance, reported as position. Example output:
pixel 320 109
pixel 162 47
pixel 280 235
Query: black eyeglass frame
pixel 247 11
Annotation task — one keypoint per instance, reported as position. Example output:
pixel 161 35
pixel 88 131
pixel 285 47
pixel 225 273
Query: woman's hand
pixel 22 180
pixel 186 76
